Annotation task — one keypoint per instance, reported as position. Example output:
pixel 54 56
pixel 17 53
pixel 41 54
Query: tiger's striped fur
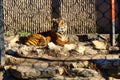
pixel 56 35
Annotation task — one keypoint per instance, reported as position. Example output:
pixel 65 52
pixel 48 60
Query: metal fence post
pixel 113 22
pixel 2 54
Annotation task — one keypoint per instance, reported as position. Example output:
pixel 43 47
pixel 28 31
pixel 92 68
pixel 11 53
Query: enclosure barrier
pixel 2 54
pixel 83 16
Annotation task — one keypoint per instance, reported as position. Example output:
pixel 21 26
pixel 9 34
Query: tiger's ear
pixel 62 21
pixel 54 20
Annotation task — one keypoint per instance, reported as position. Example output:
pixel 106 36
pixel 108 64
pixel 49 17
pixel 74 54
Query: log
pixel 18 60
pixel 82 57
pixel 45 61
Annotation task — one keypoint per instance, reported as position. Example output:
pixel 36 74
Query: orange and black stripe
pixel 36 40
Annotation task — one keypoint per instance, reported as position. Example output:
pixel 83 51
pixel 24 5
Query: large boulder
pixel 29 72
pixel 99 44
pixel 24 72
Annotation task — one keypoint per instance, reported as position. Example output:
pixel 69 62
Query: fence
pixel 83 16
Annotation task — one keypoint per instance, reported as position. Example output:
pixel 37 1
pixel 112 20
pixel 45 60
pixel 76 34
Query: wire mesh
pixel 83 16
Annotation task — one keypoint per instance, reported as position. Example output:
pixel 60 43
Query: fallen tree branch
pixel 17 60
pixel 81 57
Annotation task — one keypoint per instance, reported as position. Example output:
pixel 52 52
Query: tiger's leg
pixel 60 42
pixel 68 42
pixel 48 38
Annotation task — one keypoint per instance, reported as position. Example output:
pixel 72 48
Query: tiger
pixel 36 40
pixel 57 35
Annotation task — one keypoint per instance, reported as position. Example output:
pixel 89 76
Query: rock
pixel 64 53
pixel 27 72
pixel 73 38
pixel 77 78
pixel 24 72
pixel 40 52
pixel 112 78
pixel 69 46
pixel 104 64
pixel 7 76
pixel 29 51
pixel 11 52
pixel 64 78
pixel 103 52
pixel 52 46
pixel 13 60
pixel 24 47
pixel 1 75
pixel 80 64
pixel 99 44
pixel 13 40
pixel 74 65
pixel 12 45
pixel 103 37
pixel 60 70
pixel 23 53
pixel 80 49
pixel 115 72
pixel 107 64
pixel 90 50
pixel 51 71
pixel 23 50
pixel 83 64
pixel 84 72
pixel 113 48
pixel 116 63
pixel 7 67
pixel 44 65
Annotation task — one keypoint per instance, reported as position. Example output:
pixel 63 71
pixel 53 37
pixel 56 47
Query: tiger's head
pixel 59 26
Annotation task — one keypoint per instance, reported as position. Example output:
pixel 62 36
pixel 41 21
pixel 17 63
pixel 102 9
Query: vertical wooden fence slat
pixel 2 54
